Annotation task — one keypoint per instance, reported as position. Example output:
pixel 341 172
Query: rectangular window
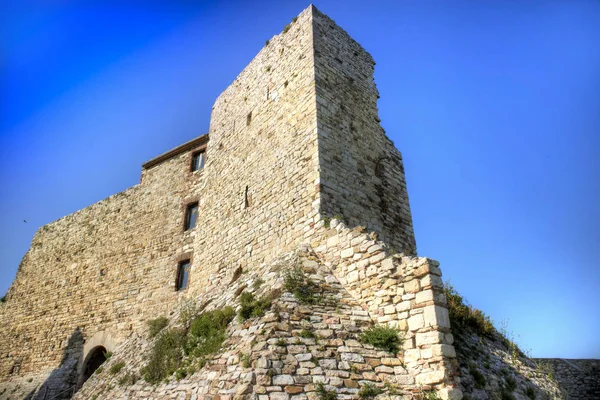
pixel 191 216
pixel 183 274
pixel 198 160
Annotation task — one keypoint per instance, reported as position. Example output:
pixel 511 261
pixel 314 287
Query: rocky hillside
pixel 491 365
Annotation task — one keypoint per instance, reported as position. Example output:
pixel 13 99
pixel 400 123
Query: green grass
pixel 301 286
pixel 116 368
pixel 325 394
pixel 307 334
pixel 128 379
pixel 369 391
pixel 245 360
pixel 383 337
pixel 156 325
pixel 253 307
pixel 257 283
pixel 465 317
pixel 204 337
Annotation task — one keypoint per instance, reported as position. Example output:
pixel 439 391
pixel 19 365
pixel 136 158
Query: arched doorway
pixel 93 354
pixel 95 359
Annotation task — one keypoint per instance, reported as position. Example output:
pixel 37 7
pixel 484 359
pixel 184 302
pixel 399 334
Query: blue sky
pixel 495 106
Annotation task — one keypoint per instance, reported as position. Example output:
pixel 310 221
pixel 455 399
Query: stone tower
pixel 293 142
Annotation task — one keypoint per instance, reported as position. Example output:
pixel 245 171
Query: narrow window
pixel 198 160
pixel 249 119
pixel 191 215
pixel 183 274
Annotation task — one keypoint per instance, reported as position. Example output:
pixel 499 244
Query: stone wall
pixel 269 357
pixel 578 379
pixel 362 175
pixel 401 291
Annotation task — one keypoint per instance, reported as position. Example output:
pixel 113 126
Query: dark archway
pixel 94 360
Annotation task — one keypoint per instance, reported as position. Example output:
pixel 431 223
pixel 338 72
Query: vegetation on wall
pixel 301 286
pixel 253 307
pixel 383 337
pixel 156 325
pixel 465 317
pixel 178 350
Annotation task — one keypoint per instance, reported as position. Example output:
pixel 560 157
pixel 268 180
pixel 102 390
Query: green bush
pixel 511 383
pixel 464 316
pixel 530 392
pixel 369 391
pixel 304 289
pixel 207 332
pixel 253 307
pixel 116 368
pixel 3 299
pixel 478 377
pixel 156 325
pixel 383 337
pixel 325 394
pixel 166 355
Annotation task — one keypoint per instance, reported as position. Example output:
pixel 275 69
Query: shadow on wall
pixel 62 382
pixel 496 368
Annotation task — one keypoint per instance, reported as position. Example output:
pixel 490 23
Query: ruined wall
pixel 401 291
pixel 362 176
pixel 579 379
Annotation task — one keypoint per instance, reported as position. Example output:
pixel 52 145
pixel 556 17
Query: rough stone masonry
pixel 293 142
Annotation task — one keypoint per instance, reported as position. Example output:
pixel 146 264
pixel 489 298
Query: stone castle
pixel 295 158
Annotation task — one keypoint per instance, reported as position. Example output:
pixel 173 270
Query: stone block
pixel 436 316
pixel 425 338
pixel 412 286
pixel 430 377
pixel 283 380
pixel 415 322
pixel 444 350
pixel 424 296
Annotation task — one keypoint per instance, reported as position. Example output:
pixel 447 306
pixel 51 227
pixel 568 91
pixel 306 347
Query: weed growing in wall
pixel 307 334
pixel 383 337
pixel 464 316
pixel 156 325
pixel 478 377
pixel 301 286
pixel 175 347
pixel 253 307
pixel 369 391
pixel 257 283
pixel 116 368
pixel 128 379
pixel 325 394
pixel 430 395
